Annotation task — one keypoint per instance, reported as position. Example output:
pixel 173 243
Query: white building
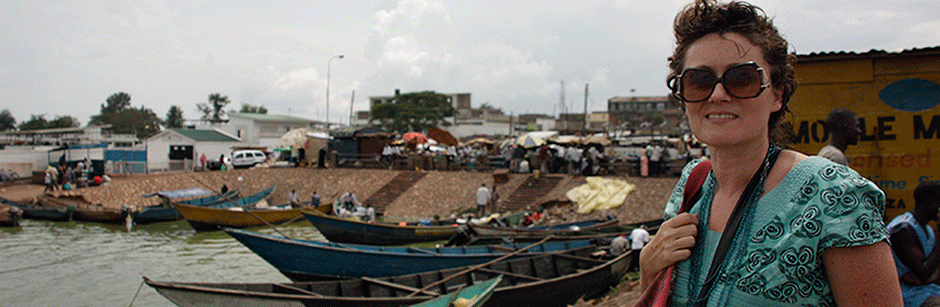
pixel 263 130
pixel 179 149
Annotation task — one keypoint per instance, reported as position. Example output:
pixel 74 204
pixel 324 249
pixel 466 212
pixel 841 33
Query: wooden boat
pixel 212 218
pixel 546 280
pixel 38 212
pixel 468 237
pixel 84 211
pixel 342 230
pixel 165 212
pixel 244 201
pixel 305 260
pixel 10 216
pixel 472 296
pixel 213 199
pixel 487 230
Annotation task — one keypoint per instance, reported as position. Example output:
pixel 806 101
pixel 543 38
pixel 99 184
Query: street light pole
pixel 328 89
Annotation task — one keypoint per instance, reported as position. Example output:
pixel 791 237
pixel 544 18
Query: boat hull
pixel 547 280
pixel 211 219
pixel 306 260
pixel 342 230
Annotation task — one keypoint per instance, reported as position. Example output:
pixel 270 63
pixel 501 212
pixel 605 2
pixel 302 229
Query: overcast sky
pixel 67 57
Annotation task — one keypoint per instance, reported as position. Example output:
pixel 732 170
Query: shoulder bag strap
pixel 693 185
pixel 728 235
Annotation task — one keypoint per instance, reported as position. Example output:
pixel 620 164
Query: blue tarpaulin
pixel 181 193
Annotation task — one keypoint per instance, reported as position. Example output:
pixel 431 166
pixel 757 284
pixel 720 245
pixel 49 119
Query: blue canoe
pixel 304 260
pixel 167 213
pixel 342 230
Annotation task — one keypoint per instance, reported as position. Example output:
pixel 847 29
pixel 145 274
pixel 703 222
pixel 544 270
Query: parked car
pixel 248 158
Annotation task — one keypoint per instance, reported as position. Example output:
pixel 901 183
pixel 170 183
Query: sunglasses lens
pixel 697 84
pixel 742 81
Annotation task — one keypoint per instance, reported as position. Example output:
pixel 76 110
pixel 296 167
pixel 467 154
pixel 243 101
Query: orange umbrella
pixel 414 137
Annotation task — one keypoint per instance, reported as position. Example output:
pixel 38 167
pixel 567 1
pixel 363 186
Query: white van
pixel 248 158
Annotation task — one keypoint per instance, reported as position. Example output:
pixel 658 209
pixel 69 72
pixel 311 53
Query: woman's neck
pixel 734 166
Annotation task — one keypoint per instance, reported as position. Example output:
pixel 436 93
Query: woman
pixel 811 230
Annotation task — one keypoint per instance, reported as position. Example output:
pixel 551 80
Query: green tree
pixel 414 112
pixel 174 118
pixel 35 122
pixel 126 119
pixel 247 108
pixel 7 122
pixel 63 121
pixel 214 110
pixel 116 103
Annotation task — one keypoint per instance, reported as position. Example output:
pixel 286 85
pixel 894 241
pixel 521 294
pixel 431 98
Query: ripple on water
pixel 89 264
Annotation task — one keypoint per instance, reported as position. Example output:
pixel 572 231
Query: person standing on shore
pixel 843 131
pixel 483 198
pixel 315 199
pixel 638 239
pixel 293 199
pixel 772 227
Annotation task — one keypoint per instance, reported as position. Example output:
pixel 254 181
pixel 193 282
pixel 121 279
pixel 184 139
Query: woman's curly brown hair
pixel 708 16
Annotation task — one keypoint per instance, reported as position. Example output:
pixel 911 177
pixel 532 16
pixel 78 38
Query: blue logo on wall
pixel 911 95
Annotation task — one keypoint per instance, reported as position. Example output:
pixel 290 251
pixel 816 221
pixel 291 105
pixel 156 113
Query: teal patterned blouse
pixel 776 256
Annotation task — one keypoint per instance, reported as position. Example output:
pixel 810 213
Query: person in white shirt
pixel 483 197
pixel 524 166
pixel 293 200
pixel 638 238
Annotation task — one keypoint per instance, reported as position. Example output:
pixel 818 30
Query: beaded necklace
pixel 738 242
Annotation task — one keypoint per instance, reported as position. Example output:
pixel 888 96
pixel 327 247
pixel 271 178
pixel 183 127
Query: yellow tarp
pixel 599 193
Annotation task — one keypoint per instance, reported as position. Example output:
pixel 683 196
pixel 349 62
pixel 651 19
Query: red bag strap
pixel 693 185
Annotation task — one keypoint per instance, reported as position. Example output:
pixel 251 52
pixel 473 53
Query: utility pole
pixel 351 100
pixel 561 104
pixel 585 106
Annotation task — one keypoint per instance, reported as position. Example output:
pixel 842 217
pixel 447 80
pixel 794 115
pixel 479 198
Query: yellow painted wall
pixel 899 149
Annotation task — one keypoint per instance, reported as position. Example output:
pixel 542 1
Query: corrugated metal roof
pixel 205 135
pixel 272 117
pixel 874 53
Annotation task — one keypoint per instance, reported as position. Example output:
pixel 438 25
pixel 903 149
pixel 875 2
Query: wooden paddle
pixel 480 266
pixel 244 207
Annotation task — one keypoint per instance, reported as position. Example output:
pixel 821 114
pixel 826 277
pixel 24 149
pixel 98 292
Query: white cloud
pixel 511 54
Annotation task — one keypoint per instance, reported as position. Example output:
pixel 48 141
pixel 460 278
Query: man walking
pixel 483 197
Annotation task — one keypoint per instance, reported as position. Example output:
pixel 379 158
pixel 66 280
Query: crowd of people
pixel 65 177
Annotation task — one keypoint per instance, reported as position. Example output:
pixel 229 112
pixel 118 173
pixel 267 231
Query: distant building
pixel 102 134
pixel 632 112
pixel 264 130
pixel 178 149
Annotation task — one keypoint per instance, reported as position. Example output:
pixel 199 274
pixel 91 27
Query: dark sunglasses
pixel 745 80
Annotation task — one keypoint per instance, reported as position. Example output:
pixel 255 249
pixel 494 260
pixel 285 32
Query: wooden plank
pixel 578 258
pixel 298 290
pixel 509 274
pixel 400 287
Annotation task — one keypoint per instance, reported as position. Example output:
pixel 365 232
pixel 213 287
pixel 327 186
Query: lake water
pixel 90 264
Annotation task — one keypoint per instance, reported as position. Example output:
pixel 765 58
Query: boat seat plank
pixel 398 286
pixel 584 259
pixel 292 288
pixel 508 274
